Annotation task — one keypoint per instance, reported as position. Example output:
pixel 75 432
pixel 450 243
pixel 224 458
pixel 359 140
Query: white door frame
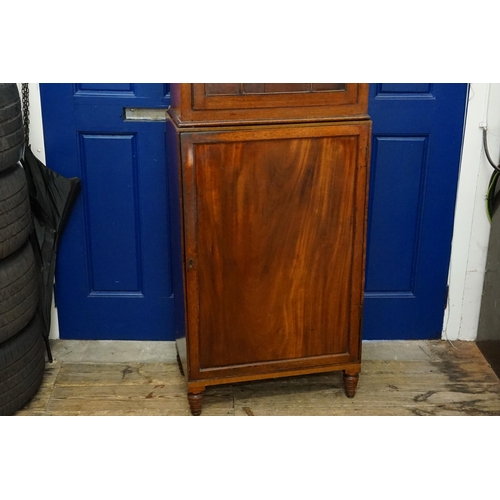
pixel 471 227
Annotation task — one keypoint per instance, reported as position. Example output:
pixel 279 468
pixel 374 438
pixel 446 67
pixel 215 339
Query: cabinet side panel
pixel 360 238
pixel 176 232
pixel 275 231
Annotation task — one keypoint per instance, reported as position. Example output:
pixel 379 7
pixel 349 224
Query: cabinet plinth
pixel 269 276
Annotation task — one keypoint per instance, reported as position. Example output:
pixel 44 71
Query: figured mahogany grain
pixel 274 224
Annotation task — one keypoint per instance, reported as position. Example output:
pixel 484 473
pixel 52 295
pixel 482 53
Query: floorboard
pixel 403 378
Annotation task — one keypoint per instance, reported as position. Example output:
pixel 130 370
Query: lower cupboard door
pixel 274 245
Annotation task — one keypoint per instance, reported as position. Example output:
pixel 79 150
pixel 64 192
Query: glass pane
pixel 267 88
pixel 321 87
pixel 222 88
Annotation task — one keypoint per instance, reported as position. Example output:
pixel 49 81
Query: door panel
pixel 112 230
pixel 113 276
pixel 400 89
pixel 274 225
pixel 417 137
pixel 101 88
pixel 398 178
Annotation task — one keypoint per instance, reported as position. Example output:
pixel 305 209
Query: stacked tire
pixel 22 353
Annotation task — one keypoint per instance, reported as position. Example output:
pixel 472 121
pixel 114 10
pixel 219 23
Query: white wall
pixel 471 228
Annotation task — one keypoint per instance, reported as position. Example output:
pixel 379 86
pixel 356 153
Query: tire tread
pixel 19 293
pixel 22 366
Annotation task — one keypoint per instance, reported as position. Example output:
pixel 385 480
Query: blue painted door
pixel 113 277
pixel 416 145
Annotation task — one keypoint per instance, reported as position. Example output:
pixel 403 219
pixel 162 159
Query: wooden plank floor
pixel 398 378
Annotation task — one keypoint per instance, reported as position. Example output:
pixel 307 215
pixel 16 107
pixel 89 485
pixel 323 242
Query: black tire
pixel 22 365
pixel 15 211
pixel 19 291
pixel 11 126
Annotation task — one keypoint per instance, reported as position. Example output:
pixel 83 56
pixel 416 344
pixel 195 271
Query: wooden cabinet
pixel 271 216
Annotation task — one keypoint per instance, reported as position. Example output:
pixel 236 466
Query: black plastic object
pixel 51 197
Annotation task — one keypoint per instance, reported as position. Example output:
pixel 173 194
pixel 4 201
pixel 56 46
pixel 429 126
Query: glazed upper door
pixel 416 146
pixel 113 278
pixel 113 270
pixel 237 103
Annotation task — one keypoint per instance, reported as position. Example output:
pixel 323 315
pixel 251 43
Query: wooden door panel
pixel 254 200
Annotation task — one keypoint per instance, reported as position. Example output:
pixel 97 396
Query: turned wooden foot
pixel 195 402
pixel 180 365
pixel 350 383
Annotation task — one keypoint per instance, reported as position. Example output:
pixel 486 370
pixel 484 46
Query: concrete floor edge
pixel 113 351
pixel 118 351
